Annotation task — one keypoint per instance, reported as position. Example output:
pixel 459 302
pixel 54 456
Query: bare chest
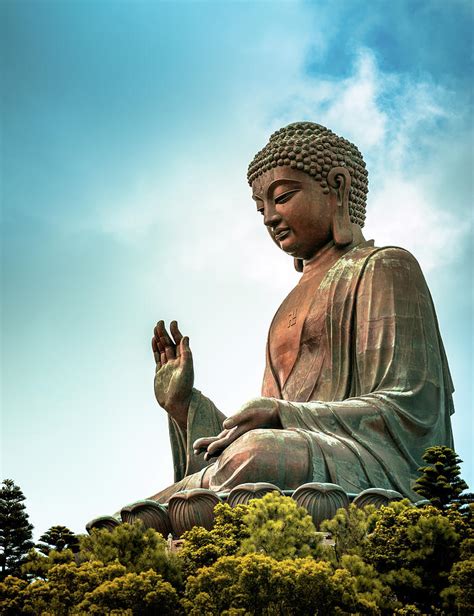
pixel 295 326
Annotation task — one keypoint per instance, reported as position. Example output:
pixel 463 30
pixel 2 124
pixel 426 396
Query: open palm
pixel 174 376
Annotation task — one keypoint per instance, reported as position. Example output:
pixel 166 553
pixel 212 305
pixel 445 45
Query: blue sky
pixel 127 130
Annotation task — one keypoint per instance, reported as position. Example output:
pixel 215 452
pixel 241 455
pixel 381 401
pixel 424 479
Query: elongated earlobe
pixel 339 179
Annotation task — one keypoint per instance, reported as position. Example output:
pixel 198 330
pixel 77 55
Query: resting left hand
pixel 257 413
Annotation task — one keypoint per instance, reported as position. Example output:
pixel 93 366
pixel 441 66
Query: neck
pixel 331 251
pixel 319 254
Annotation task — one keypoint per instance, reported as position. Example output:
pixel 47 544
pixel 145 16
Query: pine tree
pixel 135 547
pixel 279 528
pixel 440 482
pixel 202 548
pixel 414 549
pixel 15 529
pixel 58 538
pixel 348 529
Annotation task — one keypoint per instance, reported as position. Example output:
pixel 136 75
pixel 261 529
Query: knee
pixel 274 456
pixel 262 447
pixel 261 440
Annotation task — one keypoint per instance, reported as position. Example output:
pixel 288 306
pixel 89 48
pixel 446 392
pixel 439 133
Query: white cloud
pixel 387 115
pixel 354 107
pixel 410 220
pixel 393 120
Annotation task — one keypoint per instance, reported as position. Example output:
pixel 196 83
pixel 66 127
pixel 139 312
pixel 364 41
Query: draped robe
pixel 357 368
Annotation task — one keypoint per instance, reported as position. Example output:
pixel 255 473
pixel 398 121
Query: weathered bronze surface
pixel 356 384
pixel 243 494
pixel 321 500
pixel 150 513
pixel 192 508
pixel 105 522
pixel 377 497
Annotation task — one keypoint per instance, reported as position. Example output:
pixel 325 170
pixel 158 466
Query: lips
pixel 280 234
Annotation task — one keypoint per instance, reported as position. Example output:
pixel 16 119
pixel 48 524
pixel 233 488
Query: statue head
pixel 317 151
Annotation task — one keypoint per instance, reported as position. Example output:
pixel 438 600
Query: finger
pixel 161 351
pixel 205 440
pixel 219 443
pixel 184 350
pixel 166 341
pixel 161 348
pixel 156 331
pixel 239 418
pixel 218 446
pixel 201 444
pixel 156 353
pixel 177 336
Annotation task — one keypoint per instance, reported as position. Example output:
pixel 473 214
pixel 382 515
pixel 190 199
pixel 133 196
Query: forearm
pixel 410 421
pixel 203 419
pixel 317 415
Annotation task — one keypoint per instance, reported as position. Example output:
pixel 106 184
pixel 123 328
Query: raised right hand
pixel 174 377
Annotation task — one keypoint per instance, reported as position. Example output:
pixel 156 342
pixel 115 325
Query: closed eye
pixel 286 196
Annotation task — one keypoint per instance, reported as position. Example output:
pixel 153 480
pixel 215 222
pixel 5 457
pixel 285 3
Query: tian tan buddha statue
pixel 356 384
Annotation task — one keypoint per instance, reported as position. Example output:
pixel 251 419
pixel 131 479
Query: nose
pixel 270 216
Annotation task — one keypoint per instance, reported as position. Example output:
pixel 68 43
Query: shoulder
pixel 367 252
pixel 391 256
pixel 392 253
pixel 394 265
pixel 367 266
pixel 367 258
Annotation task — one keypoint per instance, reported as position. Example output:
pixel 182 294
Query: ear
pixel 339 180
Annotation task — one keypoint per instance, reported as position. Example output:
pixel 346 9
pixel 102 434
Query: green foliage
pixel 133 547
pixel 264 558
pixel 58 538
pixel 37 565
pixel 414 551
pixel 279 528
pixel 12 595
pixel 440 481
pixel 395 560
pixel 348 529
pixel 202 548
pixel 134 593
pixel 371 591
pixel 460 593
pixel 259 584
pixel 408 610
pixel 458 597
pixel 15 529
pixel 90 588
pixel 65 588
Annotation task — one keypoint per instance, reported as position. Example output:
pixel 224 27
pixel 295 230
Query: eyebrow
pixel 275 184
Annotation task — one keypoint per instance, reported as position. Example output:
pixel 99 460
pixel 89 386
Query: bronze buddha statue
pixel 356 384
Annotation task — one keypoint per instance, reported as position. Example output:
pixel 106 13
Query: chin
pixel 296 254
pixel 294 250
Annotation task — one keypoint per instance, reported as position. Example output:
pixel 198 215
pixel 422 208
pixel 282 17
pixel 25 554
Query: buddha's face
pixel 296 211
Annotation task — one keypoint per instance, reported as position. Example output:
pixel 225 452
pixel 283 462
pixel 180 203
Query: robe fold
pixel 356 363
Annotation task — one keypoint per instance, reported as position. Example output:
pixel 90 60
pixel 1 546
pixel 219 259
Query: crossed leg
pixel 281 457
